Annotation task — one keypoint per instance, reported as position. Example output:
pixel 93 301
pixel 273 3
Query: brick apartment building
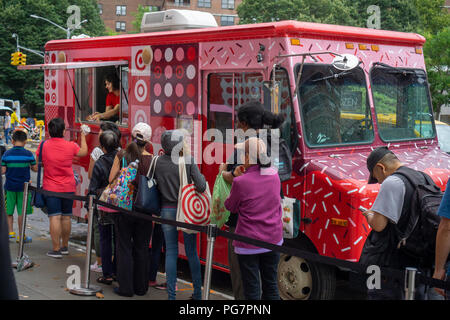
pixel 118 14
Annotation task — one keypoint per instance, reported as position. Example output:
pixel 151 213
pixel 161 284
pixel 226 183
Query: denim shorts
pixel 59 206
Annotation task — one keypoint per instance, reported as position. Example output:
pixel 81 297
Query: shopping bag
pixel 290 217
pixel 221 191
pixel 148 197
pixel 193 207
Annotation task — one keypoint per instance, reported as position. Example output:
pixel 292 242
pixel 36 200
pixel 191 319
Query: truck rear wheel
pixel 299 279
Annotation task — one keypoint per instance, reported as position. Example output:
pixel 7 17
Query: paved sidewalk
pixel 47 279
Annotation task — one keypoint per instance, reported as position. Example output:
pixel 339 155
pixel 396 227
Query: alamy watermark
pixel 374 20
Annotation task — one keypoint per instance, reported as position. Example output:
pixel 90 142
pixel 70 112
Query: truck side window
pixel 288 129
pixel 226 92
pixel 92 93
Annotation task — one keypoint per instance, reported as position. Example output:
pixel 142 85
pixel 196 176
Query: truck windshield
pixel 402 103
pixel 334 106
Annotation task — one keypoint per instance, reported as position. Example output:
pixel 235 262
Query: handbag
pixel 193 207
pixel 38 199
pixel 119 192
pixel 148 199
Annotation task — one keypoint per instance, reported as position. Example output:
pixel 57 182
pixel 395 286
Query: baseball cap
pixel 142 129
pixel 374 157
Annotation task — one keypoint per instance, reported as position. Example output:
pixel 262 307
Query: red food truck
pixel 342 90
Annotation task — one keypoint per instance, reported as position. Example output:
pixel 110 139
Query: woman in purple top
pixel 259 210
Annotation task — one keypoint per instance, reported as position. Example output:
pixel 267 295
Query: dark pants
pixel 155 251
pixel 106 245
pixel 252 267
pixel 133 238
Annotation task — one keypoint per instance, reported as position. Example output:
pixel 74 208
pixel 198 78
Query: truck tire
pixel 299 279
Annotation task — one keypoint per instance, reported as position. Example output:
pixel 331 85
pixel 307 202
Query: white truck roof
pixel 176 20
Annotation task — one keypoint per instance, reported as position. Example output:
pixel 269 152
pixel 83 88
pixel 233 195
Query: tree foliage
pixel 27 85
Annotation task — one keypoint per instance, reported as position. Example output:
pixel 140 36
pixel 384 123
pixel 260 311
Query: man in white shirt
pixel 7 127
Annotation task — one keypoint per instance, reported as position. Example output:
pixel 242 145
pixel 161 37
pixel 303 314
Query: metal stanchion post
pixel 211 233
pixel 22 261
pixel 410 280
pixel 85 288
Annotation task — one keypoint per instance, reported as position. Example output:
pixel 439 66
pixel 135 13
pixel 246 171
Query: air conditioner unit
pixel 176 20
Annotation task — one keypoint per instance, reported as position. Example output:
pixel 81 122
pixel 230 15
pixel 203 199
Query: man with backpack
pixel 404 222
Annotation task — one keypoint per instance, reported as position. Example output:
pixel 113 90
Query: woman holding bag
pixel 167 177
pixel 132 234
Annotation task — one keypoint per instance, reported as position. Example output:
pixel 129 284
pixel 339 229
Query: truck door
pixel 223 93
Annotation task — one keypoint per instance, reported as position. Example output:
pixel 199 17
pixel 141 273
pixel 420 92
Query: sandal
pixel 105 280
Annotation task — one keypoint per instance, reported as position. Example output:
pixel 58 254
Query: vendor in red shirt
pixel 112 84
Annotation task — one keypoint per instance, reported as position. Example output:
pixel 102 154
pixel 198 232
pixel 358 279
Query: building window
pixel 226 20
pixel 121 26
pixel 182 3
pixel 227 4
pixel 100 8
pixel 121 10
pixel 204 3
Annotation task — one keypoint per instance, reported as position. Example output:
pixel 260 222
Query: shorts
pixel 59 206
pixel 13 198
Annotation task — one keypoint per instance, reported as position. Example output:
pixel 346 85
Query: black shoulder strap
pixel 38 183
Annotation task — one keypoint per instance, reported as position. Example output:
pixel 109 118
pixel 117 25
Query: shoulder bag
pixel 148 199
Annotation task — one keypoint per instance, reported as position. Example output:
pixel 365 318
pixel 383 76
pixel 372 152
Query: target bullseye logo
pixel 54 97
pixel 139 61
pixel 140 90
pixel 140 116
pixel 195 205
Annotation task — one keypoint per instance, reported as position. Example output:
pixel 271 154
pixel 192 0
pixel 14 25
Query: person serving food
pixel 112 84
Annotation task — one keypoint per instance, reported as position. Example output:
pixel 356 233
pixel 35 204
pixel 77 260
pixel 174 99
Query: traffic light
pixel 14 59
pixel 23 61
pixel 19 57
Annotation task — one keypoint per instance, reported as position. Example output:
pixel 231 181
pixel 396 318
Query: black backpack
pixel 417 228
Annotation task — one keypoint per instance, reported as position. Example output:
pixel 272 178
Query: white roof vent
pixel 176 20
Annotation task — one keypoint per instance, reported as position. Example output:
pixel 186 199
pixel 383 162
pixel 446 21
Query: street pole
pixel 85 288
pixel 211 233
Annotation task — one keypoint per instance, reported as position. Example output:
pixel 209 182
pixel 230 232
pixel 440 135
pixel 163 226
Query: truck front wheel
pixel 299 279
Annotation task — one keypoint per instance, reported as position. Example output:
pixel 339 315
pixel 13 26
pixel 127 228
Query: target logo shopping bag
pixel 193 207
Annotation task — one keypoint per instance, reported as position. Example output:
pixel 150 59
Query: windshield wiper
pixel 394 69
pixel 333 76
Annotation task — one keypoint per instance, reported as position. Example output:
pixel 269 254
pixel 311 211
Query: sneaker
pixel 65 251
pixel 163 286
pixel 55 254
pixel 96 268
pixel 26 239
pixel 12 235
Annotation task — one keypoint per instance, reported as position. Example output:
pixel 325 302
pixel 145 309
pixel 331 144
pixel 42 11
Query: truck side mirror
pixel 345 62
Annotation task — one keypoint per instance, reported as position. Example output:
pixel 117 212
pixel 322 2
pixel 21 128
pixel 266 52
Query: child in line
pixel 16 163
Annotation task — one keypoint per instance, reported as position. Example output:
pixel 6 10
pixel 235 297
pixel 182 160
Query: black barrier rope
pixel 310 256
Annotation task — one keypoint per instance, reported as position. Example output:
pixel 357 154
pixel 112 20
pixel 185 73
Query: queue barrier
pixel 410 277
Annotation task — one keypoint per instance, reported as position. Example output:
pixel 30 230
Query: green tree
pixel 27 85
pixel 437 58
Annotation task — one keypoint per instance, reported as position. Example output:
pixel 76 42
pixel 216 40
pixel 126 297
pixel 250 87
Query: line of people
pixel 256 212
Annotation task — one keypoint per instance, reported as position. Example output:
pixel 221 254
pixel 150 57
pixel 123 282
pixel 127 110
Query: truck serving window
pixel 92 93
pixel 402 103
pixel 334 106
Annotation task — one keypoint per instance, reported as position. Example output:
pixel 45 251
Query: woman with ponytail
pixel 251 118
pixel 132 234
